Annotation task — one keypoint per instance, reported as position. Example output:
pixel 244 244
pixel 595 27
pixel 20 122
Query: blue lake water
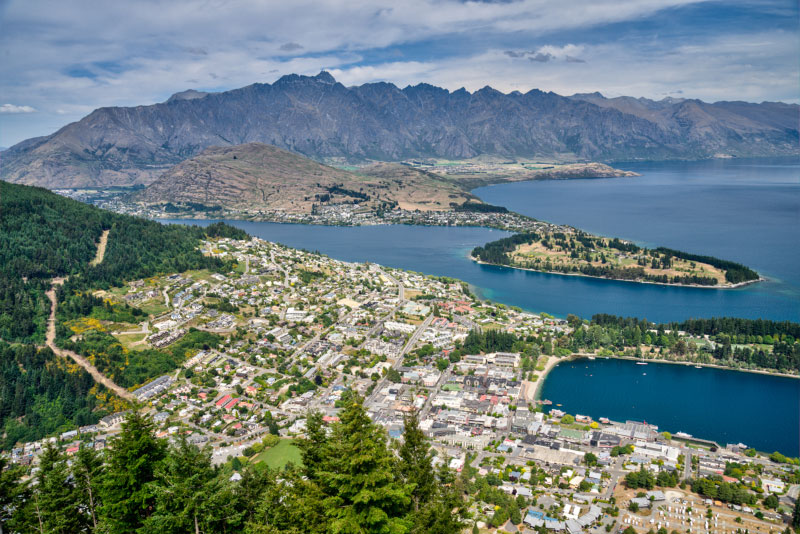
pixel 725 406
pixel 741 210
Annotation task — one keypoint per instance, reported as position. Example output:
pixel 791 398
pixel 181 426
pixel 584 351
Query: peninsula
pixel 261 182
pixel 564 250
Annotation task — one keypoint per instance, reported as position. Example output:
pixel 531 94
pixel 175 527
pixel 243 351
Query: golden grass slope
pixel 260 176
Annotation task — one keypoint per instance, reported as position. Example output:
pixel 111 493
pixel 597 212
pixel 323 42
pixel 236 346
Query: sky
pixel 61 60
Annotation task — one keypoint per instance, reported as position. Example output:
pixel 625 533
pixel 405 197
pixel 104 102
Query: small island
pixel 564 250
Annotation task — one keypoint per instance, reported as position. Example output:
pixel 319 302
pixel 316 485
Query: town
pixel 297 332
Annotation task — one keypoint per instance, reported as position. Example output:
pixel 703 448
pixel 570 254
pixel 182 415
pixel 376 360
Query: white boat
pixel 698 366
pixel 591 357
pixel 641 363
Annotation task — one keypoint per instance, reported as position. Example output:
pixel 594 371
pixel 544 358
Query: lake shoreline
pixel 554 361
pixel 581 275
pixel 624 391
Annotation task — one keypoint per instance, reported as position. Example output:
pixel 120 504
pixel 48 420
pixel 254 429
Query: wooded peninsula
pixel 574 252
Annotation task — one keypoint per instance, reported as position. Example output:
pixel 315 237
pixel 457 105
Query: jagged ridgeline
pixel 576 252
pixel 43 235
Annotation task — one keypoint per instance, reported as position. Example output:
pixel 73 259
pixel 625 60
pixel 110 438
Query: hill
pixel 326 121
pixel 256 176
pixel 44 235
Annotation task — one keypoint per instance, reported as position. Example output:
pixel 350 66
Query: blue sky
pixel 61 60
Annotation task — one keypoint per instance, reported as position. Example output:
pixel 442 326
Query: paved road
pixel 401 292
pixel 408 346
pixel 687 464
pixel 281 267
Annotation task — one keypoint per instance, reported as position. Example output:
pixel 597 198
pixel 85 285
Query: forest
pixel 477 207
pixel 351 479
pixel 41 394
pixel 43 235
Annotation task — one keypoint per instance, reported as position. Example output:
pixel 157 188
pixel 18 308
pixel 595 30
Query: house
pixel 113 419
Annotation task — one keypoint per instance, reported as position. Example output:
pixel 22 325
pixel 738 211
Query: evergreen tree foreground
pixel 353 480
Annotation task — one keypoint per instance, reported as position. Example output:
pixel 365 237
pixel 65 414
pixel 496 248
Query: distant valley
pixel 319 118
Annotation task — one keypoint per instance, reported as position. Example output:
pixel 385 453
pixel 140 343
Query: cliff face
pixel 322 119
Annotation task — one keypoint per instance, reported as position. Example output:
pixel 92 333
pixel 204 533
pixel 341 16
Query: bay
pixel 762 411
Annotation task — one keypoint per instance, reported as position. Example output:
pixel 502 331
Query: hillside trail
pixel 80 360
pixel 101 249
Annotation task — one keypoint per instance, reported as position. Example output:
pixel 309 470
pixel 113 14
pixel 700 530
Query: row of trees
pixel 619 332
pixel 351 480
pixel 735 273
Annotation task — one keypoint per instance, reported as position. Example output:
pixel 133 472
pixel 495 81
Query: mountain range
pixel 320 118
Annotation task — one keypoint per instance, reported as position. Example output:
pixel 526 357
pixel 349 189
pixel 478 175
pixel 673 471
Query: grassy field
pixel 278 456
pixel 154 307
pixel 128 340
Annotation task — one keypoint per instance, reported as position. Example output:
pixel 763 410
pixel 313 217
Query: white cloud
pixel 64 58
pixel 11 108
pixel 706 71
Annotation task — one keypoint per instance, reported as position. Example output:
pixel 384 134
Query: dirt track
pixel 80 360
pixel 101 249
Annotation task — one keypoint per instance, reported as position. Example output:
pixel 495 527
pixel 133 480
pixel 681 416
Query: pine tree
pixel 312 447
pixel 185 488
pixel 127 493
pixel 357 477
pixel 13 495
pixel 57 499
pixel 250 489
pixel 446 510
pixel 87 471
pixel 416 465
pixel 290 503
pixel 796 514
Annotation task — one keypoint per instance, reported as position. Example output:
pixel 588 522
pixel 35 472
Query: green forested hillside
pixel 44 235
pixel 41 394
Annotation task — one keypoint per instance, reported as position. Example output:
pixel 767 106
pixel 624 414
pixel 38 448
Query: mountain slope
pixel 256 176
pixel 324 120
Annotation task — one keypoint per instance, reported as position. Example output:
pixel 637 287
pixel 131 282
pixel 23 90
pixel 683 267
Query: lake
pixel 742 210
pixel 726 406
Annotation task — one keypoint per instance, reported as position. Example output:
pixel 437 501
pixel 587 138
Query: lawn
pixel 278 456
